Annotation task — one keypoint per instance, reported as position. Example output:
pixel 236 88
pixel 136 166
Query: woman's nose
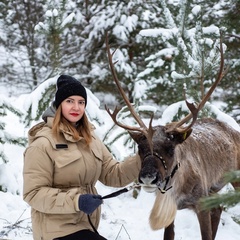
pixel 76 106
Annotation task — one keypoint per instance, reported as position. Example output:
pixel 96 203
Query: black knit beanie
pixel 68 86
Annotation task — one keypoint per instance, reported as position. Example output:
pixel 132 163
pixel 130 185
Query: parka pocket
pixel 69 165
pixel 65 158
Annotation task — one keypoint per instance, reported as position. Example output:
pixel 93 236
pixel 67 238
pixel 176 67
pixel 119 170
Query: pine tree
pixel 231 95
pixel 5 137
pixel 39 100
pixel 69 37
pixel 56 40
pixel 227 199
pixel 190 54
pixel 20 65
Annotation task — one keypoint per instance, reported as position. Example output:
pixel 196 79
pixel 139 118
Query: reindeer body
pixel 205 150
pixel 210 150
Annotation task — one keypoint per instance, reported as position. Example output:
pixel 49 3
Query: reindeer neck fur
pixel 205 156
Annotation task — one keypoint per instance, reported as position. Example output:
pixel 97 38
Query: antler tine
pixel 147 132
pixel 114 118
pixel 149 136
pixel 195 110
pixel 135 115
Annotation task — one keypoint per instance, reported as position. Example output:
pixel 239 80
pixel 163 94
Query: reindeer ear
pixel 180 137
pixel 187 134
pixel 136 136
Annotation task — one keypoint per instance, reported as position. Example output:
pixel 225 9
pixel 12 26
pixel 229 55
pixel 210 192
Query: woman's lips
pixel 74 114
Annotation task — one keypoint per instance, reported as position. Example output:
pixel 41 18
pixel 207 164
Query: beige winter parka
pixel 55 174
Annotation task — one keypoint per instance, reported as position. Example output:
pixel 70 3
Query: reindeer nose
pixel 148 179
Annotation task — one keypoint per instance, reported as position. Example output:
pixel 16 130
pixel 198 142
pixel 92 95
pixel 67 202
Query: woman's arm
pixel 38 190
pixel 118 174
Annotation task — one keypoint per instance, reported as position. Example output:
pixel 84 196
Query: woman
pixel 62 164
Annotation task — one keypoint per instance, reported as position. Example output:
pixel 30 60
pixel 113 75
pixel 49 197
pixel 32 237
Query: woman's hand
pixel 89 202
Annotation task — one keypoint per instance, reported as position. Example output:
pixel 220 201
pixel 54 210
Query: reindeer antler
pixel 148 132
pixel 195 110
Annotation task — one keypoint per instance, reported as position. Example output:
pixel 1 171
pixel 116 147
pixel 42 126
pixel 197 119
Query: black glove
pixel 89 202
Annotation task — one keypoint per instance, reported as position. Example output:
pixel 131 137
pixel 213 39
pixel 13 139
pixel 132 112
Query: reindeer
pixel 183 163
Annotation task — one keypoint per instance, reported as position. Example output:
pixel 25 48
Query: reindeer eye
pixel 170 137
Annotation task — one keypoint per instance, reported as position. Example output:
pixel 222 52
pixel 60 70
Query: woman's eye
pixel 82 102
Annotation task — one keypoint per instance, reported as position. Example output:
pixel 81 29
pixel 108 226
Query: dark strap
pixel 167 179
pixel 111 195
pixel 94 229
pixel 115 194
pixel 175 169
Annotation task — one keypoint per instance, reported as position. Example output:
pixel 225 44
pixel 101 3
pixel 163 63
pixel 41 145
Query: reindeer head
pixel 158 163
pixel 156 145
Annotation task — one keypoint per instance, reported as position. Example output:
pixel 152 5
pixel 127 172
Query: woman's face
pixel 73 108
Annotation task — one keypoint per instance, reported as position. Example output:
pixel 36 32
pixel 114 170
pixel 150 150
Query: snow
pixel 166 34
pixel 196 10
pixel 68 19
pixel 123 217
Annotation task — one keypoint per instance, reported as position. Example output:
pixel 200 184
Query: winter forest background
pixel 162 47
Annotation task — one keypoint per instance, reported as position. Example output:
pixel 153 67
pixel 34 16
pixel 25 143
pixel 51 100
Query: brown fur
pixel 211 150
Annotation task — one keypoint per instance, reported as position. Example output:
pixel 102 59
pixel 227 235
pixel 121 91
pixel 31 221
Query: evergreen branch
pixel 233 176
pixel 229 199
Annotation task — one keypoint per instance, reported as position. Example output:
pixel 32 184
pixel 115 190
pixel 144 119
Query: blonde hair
pixel 83 128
